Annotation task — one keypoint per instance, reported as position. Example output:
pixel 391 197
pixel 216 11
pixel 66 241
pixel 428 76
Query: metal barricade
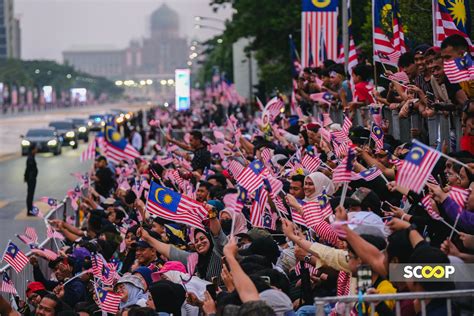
pixel 320 302
pixel 61 211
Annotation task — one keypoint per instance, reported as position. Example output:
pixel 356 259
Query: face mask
pixel 226 225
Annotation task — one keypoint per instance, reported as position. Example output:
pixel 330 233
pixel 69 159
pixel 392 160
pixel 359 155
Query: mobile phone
pixel 211 288
pixel 386 206
pixel 364 277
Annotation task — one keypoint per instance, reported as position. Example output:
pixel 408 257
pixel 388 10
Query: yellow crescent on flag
pixel 321 4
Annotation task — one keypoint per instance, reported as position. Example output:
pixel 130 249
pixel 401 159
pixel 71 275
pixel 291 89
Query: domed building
pixel 155 57
pixel 164 51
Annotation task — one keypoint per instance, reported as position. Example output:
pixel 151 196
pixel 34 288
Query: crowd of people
pixel 279 227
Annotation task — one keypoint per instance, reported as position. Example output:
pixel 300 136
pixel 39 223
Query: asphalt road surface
pixel 54 177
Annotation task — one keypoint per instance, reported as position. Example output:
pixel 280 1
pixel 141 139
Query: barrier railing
pixel 20 280
pixel 435 129
pixel 372 300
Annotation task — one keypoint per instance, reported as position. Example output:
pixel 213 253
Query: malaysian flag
pixel 97 265
pixel 459 69
pixel 340 149
pixel 367 175
pixel 258 207
pixel 45 253
pixel 15 257
pixel 7 285
pixel 53 234
pixel 400 77
pixel 109 301
pixel 269 220
pixel 343 172
pixel 386 22
pixel 295 59
pixel 323 200
pixel 266 155
pixel 322 97
pixel 117 148
pixel 426 202
pixel 312 214
pixel 391 58
pixel 297 218
pixel 36 212
pixel 173 206
pixel 449 18
pixel 347 124
pixel 311 162
pixel 318 20
pixel 50 201
pixel 459 195
pixel 377 135
pixel 273 108
pixel 235 168
pixel 417 167
pixel 252 176
pixel 352 60
pixel 89 152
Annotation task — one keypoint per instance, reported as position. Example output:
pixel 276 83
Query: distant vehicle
pixel 45 139
pixel 68 134
pixel 96 122
pixel 121 115
pixel 82 128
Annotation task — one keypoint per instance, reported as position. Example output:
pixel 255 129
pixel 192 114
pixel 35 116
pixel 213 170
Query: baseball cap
pixel 168 266
pixel 33 287
pixel 255 233
pixel 142 244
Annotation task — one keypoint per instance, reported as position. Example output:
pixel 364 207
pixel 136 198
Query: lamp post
pixel 204 18
pixel 200 26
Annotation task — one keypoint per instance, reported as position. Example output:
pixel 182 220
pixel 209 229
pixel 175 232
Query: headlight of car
pixel 102 123
pixel 25 143
pixel 82 129
pixel 89 123
pixel 52 142
pixel 70 134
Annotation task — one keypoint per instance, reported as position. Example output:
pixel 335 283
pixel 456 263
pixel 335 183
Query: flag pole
pixel 233 224
pixel 454 226
pixel 343 194
pixel 345 33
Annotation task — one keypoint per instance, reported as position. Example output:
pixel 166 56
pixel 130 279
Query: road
pixel 54 177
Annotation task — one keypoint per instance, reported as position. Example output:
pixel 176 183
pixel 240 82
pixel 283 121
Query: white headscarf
pixel 195 284
pixel 321 182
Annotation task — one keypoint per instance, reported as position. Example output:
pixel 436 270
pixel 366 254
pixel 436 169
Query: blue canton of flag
pixel 116 147
pixel 168 204
pixel 252 176
pixel 377 136
pixel 417 167
pixel 460 14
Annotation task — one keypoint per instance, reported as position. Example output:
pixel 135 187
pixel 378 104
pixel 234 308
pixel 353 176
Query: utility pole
pixel 345 32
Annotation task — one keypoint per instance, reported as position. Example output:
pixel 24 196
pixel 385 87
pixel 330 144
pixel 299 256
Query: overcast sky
pixel 48 27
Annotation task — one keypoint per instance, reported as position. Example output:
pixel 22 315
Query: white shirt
pixel 137 140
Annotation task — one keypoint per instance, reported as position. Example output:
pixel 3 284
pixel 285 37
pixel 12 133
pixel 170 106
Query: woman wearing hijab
pixel 315 184
pixel 130 287
pixel 206 261
pixel 227 215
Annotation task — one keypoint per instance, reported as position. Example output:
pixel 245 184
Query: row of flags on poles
pixel 319 29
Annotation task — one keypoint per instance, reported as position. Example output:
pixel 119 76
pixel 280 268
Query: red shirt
pixel 362 92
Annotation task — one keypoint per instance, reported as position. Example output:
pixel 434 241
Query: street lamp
pixel 200 26
pixel 201 18
pixel 220 40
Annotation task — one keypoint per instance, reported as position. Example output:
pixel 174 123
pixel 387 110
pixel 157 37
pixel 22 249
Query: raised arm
pixel 161 247
pixel 244 286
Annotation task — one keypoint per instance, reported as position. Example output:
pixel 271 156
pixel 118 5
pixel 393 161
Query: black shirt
pixel 201 159
pixel 31 171
pixel 105 181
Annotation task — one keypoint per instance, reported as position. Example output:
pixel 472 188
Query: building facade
pixel 149 58
pixel 10 32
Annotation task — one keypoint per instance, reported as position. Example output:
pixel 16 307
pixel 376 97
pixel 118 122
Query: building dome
pixel 164 19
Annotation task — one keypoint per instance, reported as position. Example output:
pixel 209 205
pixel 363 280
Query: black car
pixel 68 134
pixel 96 122
pixel 45 139
pixel 82 128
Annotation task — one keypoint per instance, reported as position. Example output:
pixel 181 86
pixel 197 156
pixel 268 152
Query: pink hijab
pixel 240 225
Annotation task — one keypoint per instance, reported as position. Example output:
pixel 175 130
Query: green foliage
pixel 38 73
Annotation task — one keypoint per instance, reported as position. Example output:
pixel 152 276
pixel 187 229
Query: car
pixel 96 122
pixel 68 134
pixel 121 116
pixel 82 128
pixel 45 139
